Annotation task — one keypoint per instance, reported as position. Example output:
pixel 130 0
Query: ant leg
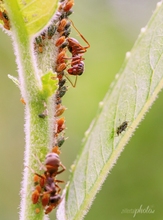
pixel 30 169
pixel 75 81
pixel 59 181
pixel 58 187
pixel 73 84
pixel 63 169
pixel 81 35
pixel 42 177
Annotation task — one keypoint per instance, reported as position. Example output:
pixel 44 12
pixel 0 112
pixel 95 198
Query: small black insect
pixel 122 127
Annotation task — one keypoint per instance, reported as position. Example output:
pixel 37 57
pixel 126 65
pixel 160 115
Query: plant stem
pixel 38 131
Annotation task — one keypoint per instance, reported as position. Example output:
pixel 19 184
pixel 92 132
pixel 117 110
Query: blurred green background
pixel 136 180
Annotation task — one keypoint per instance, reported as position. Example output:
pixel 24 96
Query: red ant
pixel 47 189
pixel 77 64
pixel 77 50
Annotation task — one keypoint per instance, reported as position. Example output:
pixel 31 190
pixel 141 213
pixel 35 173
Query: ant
pixel 46 187
pixel 77 50
pixel 122 127
pixel 74 47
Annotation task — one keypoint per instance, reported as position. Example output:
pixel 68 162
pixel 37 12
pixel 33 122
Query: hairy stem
pixel 37 130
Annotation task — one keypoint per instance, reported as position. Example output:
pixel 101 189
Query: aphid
pixel 58 101
pixel 60 76
pixel 59 110
pixel 63 45
pixel 45 199
pixel 37 210
pixel 61 82
pixel 23 101
pixel 62 25
pixel 5 19
pixel 59 68
pixel 66 14
pixel 39 44
pixel 66 32
pixel 1 15
pixel 43 114
pixel 122 127
pixel 68 5
pixel 61 63
pixel 61 92
pixel 60 141
pixel 43 35
pixel 61 57
pixel 60 125
pixel 35 196
pixel 51 31
pixel 60 41
pixel 56 150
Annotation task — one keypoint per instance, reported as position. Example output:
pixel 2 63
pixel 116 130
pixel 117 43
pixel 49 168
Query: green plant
pixel 128 99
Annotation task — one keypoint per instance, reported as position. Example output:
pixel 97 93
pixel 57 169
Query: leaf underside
pixel 135 88
pixel 37 13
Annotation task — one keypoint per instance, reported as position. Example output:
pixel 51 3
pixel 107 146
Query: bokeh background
pixel 136 180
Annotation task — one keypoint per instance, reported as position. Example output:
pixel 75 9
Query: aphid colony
pixel 46 189
pixel 61 27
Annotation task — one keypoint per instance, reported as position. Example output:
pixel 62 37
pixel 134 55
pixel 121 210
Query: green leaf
pixel 135 88
pixel 37 13
pixel 49 83
pixel 33 14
